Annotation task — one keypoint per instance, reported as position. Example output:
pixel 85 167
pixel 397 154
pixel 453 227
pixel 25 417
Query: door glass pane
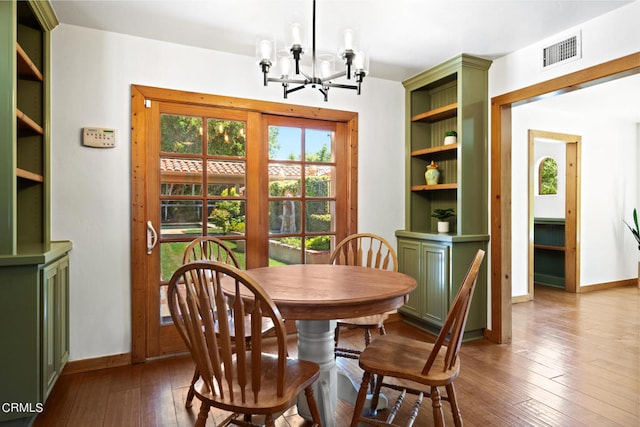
pixel 170 258
pixel 319 216
pixel 180 218
pixel 317 145
pixel 318 249
pixel 226 217
pixel 226 138
pixel 284 179
pixel 180 134
pixel 285 250
pixel 180 177
pixel 165 314
pixel 285 216
pixel 226 178
pixel 239 250
pixel 285 143
pixel 319 180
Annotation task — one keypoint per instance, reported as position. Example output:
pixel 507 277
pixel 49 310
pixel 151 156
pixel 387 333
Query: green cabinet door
pixel 409 263
pixel 55 338
pixel 428 263
pixel 435 277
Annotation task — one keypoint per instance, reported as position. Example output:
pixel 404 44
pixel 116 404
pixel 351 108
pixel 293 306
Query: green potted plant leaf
pixel 442 215
pixel 450 137
pixel 636 233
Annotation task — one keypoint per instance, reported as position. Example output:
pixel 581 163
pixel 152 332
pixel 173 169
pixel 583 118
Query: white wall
pixel 91 193
pixel 605 250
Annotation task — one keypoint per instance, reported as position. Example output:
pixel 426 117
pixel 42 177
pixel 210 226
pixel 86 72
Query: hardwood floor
pixel 574 361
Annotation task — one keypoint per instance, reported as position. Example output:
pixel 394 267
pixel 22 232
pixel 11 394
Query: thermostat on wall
pixel 99 137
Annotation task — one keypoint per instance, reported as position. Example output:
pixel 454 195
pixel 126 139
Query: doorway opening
pixel 553 216
pixel 500 330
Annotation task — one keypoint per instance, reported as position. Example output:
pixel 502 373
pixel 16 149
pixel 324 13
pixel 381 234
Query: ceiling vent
pixel 562 52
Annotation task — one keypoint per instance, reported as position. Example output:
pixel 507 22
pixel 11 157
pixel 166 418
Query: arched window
pixel 548 177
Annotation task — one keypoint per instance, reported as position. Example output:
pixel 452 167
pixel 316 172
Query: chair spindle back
pixel 200 310
pixel 365 250
pixel 210 249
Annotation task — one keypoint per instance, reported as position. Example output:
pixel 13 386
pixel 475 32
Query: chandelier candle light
pixel 322 76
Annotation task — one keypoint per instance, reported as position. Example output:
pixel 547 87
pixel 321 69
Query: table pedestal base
pixel 348 391
pixel 316 344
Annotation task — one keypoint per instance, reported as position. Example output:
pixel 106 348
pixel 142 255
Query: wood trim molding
pixel 266 107
pixel 521 298
pixel 500 328
pixel 94 364
pixel 607 285
pixel 621 67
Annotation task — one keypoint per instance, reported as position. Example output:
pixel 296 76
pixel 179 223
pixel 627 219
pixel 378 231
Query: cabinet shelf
pixel 27 123
pixel 446 112
pixel 433 150
pixel 25 174
pixel 450 186
pixel 549 247
pixel 26 68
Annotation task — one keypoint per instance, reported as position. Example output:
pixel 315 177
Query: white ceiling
pixel 401 37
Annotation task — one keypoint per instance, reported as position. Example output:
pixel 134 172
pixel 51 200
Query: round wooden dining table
pixel 315 296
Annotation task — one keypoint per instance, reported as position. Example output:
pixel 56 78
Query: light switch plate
pixel 99 137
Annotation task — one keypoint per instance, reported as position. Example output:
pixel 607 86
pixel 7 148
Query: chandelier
pixel 323 75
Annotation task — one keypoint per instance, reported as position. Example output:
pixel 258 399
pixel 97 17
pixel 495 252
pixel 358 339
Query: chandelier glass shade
pixel 286 63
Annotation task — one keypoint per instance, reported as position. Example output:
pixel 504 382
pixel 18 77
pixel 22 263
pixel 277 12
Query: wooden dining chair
pixel 235 376
pixel 404 359
pixel 208 248
pixel 366 250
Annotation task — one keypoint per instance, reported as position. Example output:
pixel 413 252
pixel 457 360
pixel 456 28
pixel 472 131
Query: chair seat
pixel 299 374
pixel 374 321
pixel 404 358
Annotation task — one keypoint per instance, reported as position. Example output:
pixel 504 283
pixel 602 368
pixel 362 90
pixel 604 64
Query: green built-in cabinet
pixel 439 264
pixel 450 96
pixel 34 307
pixel 34 272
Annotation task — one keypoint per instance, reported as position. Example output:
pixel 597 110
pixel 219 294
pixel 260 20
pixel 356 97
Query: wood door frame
pixel 572 145
pixel 500 329
pixel 140 272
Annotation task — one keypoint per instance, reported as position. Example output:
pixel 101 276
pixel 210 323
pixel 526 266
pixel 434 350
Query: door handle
pixel 152 237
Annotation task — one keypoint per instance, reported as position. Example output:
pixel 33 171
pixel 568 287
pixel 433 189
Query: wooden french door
pixel 263 183
pixel 198 164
